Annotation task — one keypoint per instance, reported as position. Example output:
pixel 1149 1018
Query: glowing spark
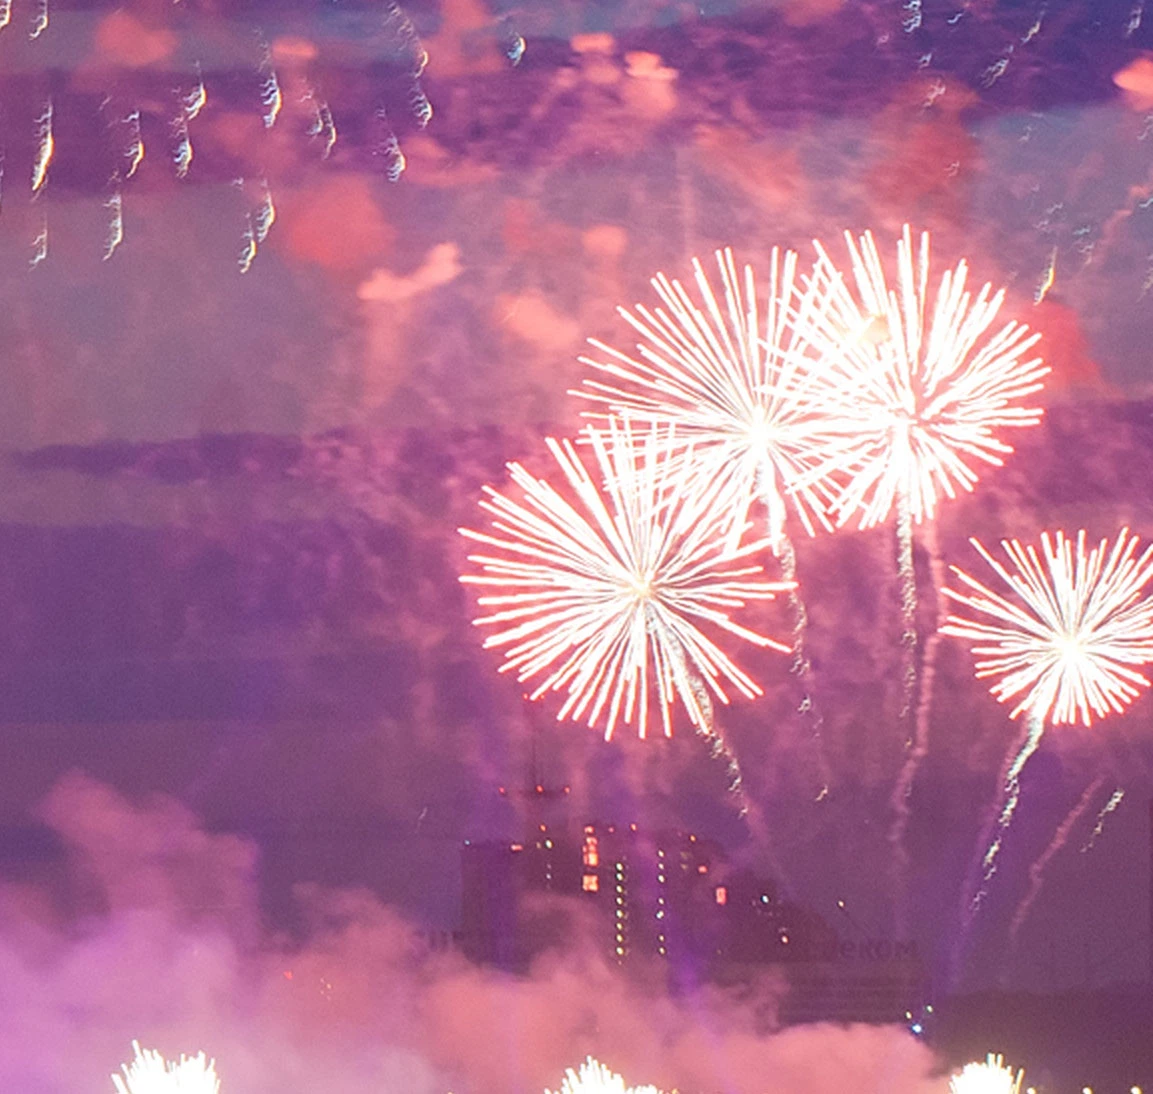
pixel 594 1078
pixel 5 13
pixel 323 126
pixel 40 22
pixel 270 93
pixel 1047 278
pixel 195 100
pixel 150 1073
pixel 248 249
pixel 913 20
pixel 115 206
pixel 134 152
pixel 515 48
pixel 991 1077
pixel 39 245
pixel 182 152
pixel 747 398
pixel 1135 14
pixel 602 587
pixel 388 150
pixel 921 403
pixel 1064 645
pixel 1115 800
pixel 265 214
pixel 1035 29
pixel 45 149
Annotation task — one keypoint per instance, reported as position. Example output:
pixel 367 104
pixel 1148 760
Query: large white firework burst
pixel 927 382
pixel 592 1077
pixel 990 1077
pixel 747 397
pixel 602 588
pixel 151 1073
pixel 1064 642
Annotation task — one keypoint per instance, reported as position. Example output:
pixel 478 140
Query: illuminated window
pixel 722 895
pixel 702 869
pixel 590 855
pixel 516 846
pixel 589 829
pixel 590 883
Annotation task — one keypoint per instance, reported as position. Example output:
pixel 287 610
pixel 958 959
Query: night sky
pixel 232 467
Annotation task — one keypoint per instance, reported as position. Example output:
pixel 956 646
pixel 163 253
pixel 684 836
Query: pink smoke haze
pixel 166 948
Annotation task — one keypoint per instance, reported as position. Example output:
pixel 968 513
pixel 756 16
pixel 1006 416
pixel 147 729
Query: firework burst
pixel 926 381
pixel 603 588
pixel 747 398
pixel 1064 648
pixel 990 1077
pixel 150 1073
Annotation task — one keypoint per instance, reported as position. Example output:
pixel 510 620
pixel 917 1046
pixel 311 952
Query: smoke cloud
pixel 149 928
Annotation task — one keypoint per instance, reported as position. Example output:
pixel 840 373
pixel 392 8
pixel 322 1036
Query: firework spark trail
pixel 40 244
pixel 5 13
pixel 991 1077
pixel 921 726
pixel 746 397
pixel 151 1073
pixel 1115 800
pixel 1037 870
pixel 604 593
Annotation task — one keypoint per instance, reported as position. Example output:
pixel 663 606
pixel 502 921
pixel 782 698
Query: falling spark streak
pixel 1037 870
pixel 40 245
pixel 1115 800
pixel 1047 278
pixel 195 100
pixel 1135 15
pixel 40 21
pixel 1035 29
pixel 134 153
pixel 389 150
pixel 323 125
pixel 265 215
pixel 44 151
pixel 248 248
pixel 151 1073
pixel 115 206
pixel 925 385
pixel 270 93
pixel 1079 622
pixel 182 152
pixel 991 1077
pixel 5 13
pixel 602 588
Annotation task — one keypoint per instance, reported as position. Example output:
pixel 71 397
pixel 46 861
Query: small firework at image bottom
pixel 594 1078
pixel 990 1077
pixel 151 1073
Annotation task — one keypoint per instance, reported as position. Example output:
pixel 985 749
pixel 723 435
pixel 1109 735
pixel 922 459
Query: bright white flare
pixel 925 384
pixel 991 1077
pixel 1064 647
pixel 748 399
pixel 602 587
pixel 150 1073
pixel 594 1078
